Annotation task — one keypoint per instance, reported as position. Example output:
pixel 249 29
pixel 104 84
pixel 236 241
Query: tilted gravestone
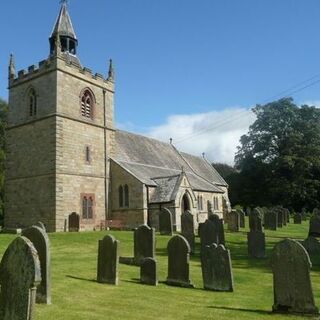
pixel 40 240
pixel 234 221
pixel 165 222
pixel 211 231
pixel 20 275
pixel 291 279
pixel 256 238
pixel 314 224
pixel 242 217
pixel 108 260
pixel 178 262
pixel 187 229
pixel 148 272
pixel 297 218
pixel 271 220
pixel 216 268
pixel 144 243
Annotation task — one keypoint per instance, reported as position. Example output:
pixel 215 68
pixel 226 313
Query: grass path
pixel 76 295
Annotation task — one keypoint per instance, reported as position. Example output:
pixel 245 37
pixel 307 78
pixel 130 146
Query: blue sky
pixel 174 59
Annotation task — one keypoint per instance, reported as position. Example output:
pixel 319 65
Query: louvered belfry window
pixel 87 104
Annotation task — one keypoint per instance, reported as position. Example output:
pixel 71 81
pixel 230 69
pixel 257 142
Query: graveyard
pixel 76 294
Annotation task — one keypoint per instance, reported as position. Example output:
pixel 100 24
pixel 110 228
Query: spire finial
pixel 203 155
pixel 64 2
pixel 111 71
pixel 12 68
pixel 171 140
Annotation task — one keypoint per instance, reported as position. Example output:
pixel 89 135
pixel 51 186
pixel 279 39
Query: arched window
pixel 32 102
pixel 126 196
pixel 87 104
pixel 120 196
pixel 215 203
pixel 87 206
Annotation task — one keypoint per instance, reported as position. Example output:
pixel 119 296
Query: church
pixel 70 168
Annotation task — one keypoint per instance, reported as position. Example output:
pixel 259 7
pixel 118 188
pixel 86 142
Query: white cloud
pixel 216 133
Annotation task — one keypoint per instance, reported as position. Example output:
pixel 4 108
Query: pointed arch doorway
pixel 185 203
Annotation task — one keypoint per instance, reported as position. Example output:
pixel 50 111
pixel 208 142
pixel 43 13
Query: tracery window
pixel 87 104
pixel 87 206
pixel 32 102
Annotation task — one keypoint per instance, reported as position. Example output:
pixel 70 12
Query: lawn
pixel 76 295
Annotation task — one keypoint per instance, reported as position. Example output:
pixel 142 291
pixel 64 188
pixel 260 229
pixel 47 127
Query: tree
pixel 3 122
pixel 279 158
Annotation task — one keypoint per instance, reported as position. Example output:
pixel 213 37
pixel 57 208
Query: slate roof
pixel 155 163
pixel 63 25
pixel 165 191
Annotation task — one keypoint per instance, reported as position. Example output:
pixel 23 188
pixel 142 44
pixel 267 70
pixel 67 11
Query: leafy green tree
pixel 3 122
pixel 279 158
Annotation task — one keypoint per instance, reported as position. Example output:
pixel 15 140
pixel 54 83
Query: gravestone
pixel 217 269
pixel 271 220
pixel 280 217
pixel 297 218
pixel 144 243
pixel 187 229
pixel 211 231
pixel 314 224
pixel 148 272
pixel 312 245
pixel 40 241
pixel 234 221
pixel 291 279
pixel 108 260
pixel 242 218
pixel 304 214
pixel 20 275
pixel 256 238
pixel 165 222
pixel 178 262
pixel 74 222
pixel 255 220
pixel 287 215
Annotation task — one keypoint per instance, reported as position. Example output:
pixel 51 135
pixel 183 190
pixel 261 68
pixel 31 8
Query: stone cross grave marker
pixel 178 262
pixel 291 279
pixel 40 240
pixel 20 275
pixel 217 269
pixel 255 237
pixel 108 260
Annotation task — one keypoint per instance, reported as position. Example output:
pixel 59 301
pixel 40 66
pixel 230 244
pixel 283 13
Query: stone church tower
pixel 60 136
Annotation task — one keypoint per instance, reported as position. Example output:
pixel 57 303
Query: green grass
pixel 76 295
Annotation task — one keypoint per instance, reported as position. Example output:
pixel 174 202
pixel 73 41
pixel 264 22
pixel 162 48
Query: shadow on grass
pixel 243 310
pixel 82 279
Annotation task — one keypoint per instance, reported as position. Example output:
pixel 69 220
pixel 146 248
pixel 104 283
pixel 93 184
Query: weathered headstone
pixel 165 222
pixel 108 260
pixel 19 277
pixel 178 262
pixel 217 269
pixel 291 279
pixel 211 231
pixel 255 220
pixel 312 245
pixel 148 272
pixel 256 238
pixel 256 244
pixel 74 222
pixel 271 220
pixel 314 224
pixel 234 221
pixel 280 217
pixel 187 229
pixel 40 240
pixel 288 215
pixel 144 243
pixel 242 217
pixel 297 218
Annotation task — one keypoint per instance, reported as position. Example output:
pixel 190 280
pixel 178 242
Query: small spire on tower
pixel 12 68
pixel 111 73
